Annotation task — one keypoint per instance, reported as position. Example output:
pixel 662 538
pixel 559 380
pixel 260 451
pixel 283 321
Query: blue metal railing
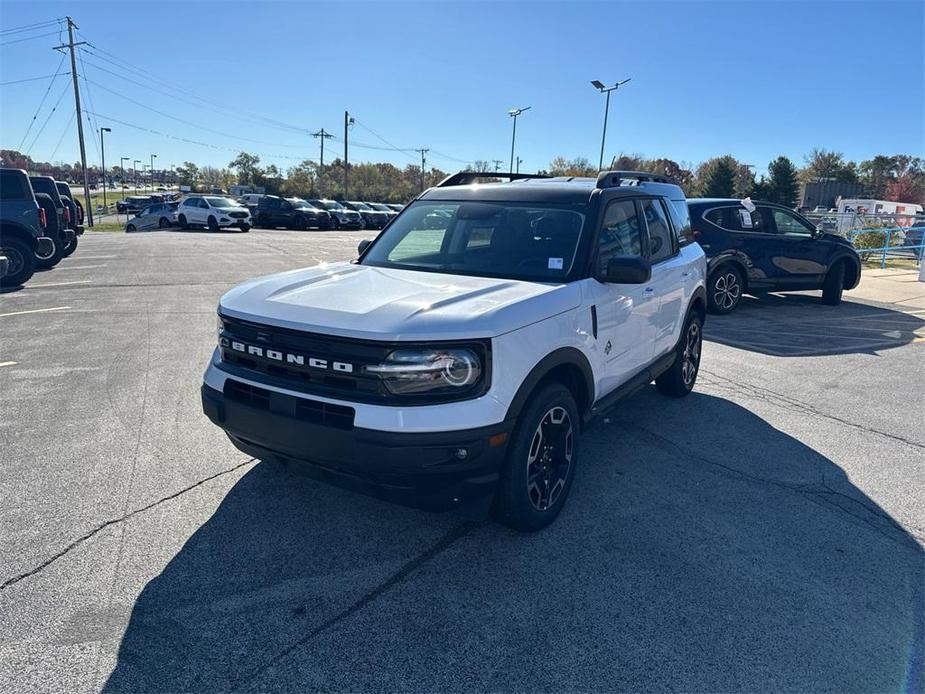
pixel 912 243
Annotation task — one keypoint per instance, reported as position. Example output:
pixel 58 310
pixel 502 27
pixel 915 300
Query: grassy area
pixel 108 226
pixel 904 263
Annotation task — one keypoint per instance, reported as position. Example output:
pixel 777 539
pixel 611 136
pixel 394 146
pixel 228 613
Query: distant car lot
pixel 142 551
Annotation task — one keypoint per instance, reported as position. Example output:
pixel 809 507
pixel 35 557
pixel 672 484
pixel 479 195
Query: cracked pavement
pixel 764 533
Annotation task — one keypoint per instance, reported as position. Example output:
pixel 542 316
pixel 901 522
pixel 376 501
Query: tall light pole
pixel 513 113
pixel 519 162
pixel 122 161
pixel 103 162
pixel 135 163
pixel 153 157
pixel 606 90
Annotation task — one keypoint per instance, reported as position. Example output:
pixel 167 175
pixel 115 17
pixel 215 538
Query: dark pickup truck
pixel 58 220
pixel 22 227
pixel 76 222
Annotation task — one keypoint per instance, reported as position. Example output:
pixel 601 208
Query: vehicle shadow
pixel 689 558
pixel 800 325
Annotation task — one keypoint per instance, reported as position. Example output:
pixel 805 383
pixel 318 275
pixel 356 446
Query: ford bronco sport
pixel 22 228
pixel 459 357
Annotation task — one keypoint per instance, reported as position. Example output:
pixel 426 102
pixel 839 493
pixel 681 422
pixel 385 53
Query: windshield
pixel 506 239
pixel 360 205
pixel 379 206
pixel 299 202
pixel 222 202
pixel 331 205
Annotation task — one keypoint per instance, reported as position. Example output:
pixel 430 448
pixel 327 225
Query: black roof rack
pixel 464 178
pixel 612 179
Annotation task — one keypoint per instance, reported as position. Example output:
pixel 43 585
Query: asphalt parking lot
pixel 764 533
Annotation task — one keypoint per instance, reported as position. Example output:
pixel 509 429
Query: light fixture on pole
pixel 513 113
pixel 597 84
pixel 103 161
pixel 153 157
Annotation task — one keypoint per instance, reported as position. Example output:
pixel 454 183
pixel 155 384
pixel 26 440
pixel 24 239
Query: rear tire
pixel 539 467
pixel 49 261
pixel 834 284
pixel 22 262
pixel 679 380
pixel 71 247
pixel 724 289
pixel 299 223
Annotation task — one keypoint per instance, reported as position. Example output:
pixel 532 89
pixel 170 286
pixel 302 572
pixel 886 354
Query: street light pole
pixel 135 163
pixel 513 113
pixel 122 161
pixel 103 162
pixel 519 162
pixel 606 90
pixel 153 157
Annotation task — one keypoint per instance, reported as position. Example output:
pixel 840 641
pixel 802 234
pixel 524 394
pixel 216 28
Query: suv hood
pixel 387 304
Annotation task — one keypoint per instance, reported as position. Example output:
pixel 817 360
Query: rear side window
pixel 13 186
pixel 661 245
pixel 681 216
pixel 739 219
pixel 621 233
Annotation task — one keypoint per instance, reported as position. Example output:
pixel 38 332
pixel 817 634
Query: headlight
pixel 220 325
pixel 421 370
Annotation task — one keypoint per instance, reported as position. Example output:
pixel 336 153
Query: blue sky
pixel 748 78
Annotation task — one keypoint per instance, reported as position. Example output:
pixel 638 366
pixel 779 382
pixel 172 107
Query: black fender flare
pixel 699 293
pixel 569 356
pixel 18 231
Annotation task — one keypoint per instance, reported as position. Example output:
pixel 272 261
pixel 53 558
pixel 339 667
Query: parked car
pixel 389 213
pixel 132 204
pixel 762 247
pixel 292 213
pixel 162 215
pixel 250 200
pixel 213 211
pixel 73 204
pixel 458 366
pixel 395 206
pixel 58 218
pixel 373 219
pixel 340 215
pixel 22 227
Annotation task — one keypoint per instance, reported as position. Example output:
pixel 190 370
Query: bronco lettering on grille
pixel 287 357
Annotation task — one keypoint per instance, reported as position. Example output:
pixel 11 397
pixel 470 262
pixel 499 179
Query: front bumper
pixel 423 470
pixel 355 223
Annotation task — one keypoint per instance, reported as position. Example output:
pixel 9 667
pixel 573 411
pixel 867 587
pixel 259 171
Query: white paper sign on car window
pixel 555 263
pixel 746 218
pixel 748 204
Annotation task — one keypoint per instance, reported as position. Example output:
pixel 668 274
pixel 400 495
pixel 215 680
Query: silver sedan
pixel 158 216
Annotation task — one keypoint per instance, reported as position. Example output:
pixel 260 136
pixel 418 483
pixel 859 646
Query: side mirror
pixel 362 246
pixel 627 269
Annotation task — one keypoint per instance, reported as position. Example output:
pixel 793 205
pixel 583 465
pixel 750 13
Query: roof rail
pixel 612 179
pixel 464 178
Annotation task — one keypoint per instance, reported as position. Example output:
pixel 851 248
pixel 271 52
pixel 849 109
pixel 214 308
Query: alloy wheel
pixel 726 290
pixel 691 355
pixel 15 258
pixel 549 458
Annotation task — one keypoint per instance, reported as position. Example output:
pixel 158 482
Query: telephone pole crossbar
pixel 423 151
pixel 80 127
pixel 324 135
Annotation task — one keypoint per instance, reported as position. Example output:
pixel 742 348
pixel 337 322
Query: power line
pixel 29 38
pixel 42 102
pixel 61 139
pixel 93 126
pixel 31 27
pixel 31 79
pixel 50 114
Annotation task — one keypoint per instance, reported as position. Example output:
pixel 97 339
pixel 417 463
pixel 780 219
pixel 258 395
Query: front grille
pixel 335 353
pixel 313 411
pixel 237 215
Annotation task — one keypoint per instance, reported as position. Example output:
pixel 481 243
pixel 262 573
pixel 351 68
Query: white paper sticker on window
pixel 746 217
pixel 555 263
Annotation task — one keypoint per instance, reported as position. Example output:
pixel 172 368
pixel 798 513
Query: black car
pixel 340 215
pixel 293 213
pixel 373 219
pixel 134 203
pixel 58 219
pixel 763 247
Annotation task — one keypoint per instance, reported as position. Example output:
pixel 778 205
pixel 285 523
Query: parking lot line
pixel 7 363
pixel 98 257
pixel 58 284
pixel 35 310
pixel 80 267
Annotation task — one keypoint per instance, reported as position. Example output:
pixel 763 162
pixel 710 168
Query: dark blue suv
pixel 763 247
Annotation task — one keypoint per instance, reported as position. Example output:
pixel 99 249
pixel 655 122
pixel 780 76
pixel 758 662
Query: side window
pixel 12 187
pixel 681 216
pixel 620 233
pixel 285 205
pixel 660 241
pixel 789 224
pixel 739 219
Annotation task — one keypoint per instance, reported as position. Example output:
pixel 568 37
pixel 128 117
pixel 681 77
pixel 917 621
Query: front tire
pixel 181 220
pixel 22 262
pixel 679 380
pixel 724 290
pixel 538 470
pixel 244 227
pixel 163 222
pixel 834 285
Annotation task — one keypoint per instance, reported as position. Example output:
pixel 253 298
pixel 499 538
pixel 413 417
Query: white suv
pixel 459 357
pixel 212 211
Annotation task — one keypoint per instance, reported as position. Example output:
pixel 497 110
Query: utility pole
pixel 423 151
pixel 80 126
pixel 498 163
pixel 348 121
pixel 324 136
pixel 103 164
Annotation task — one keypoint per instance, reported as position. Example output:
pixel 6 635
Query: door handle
pixel 649 290
pixel 685 274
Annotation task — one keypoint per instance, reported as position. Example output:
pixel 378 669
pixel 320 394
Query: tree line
pixel 898 177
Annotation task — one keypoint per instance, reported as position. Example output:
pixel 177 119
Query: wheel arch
pixel 729 259
pixel 17 231
pixel 698 303
pixel 566 365
pixel 852 269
